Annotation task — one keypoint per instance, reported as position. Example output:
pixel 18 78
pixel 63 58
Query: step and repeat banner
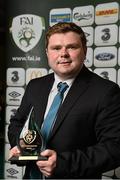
pixel 26 24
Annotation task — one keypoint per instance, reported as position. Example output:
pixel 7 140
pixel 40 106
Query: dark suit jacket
pixel 86 135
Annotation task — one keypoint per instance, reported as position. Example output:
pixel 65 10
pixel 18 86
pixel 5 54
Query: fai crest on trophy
pixel 29 136
pixel 27 30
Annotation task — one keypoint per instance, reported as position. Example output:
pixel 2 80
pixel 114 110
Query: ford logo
pixel 104 56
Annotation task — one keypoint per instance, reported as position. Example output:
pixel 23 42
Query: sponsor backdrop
pixel 27 22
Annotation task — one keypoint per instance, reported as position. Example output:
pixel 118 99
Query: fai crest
pixel 27 30
pixel 29 136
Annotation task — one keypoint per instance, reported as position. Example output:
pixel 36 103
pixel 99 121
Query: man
pixel 85 138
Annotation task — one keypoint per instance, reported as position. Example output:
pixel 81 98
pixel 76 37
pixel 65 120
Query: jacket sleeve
pixel 105 154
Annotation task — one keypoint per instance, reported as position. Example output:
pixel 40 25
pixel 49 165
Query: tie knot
pixel 62 87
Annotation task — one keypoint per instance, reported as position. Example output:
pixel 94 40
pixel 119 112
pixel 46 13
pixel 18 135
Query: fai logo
pixel 27 30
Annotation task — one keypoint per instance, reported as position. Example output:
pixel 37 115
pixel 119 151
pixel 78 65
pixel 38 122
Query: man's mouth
pixel 64 62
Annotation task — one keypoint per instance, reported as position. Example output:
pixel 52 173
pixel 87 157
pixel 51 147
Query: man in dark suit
pixel 84 140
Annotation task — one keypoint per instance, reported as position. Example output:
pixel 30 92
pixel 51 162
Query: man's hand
pixel 14 152
pixel 47 167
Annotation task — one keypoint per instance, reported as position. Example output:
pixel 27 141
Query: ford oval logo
pixel 104 56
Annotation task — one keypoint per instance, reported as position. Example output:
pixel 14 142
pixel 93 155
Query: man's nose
pixel 64 52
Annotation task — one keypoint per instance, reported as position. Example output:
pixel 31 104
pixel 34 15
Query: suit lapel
pixel 79 86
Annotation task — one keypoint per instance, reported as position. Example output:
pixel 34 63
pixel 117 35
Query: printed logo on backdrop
pixel 105 56
pixel 12 172
pixel 83 15
pixel 108 35
pixel 89 57
pixel 14 95
pixel 106 73
pixel 89 35
pixel 32 73
pixel 10 112
pixel 59 15
pixel 107 13
pixel 15 77
pixel 27 30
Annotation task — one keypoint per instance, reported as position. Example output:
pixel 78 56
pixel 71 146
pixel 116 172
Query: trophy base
pixel 18 159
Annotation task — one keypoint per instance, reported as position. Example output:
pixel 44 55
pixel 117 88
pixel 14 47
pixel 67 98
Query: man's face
pixel 65 54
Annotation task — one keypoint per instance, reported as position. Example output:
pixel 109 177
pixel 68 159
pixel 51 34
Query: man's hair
pixel 64 27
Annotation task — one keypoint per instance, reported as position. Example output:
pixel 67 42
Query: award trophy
pixel 30 143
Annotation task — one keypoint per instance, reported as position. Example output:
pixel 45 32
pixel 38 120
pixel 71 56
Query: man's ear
pixel 46 51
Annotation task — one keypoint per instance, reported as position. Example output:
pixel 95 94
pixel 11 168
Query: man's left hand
pixel 47 167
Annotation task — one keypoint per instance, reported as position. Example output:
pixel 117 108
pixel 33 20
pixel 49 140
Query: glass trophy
pixel 30 142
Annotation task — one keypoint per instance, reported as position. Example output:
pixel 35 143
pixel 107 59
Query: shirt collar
pixel 58 80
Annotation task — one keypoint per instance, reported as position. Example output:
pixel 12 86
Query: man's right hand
pixel 14 152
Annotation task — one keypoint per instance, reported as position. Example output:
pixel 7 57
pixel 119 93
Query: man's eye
pixel 57 48
pixel 72 47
